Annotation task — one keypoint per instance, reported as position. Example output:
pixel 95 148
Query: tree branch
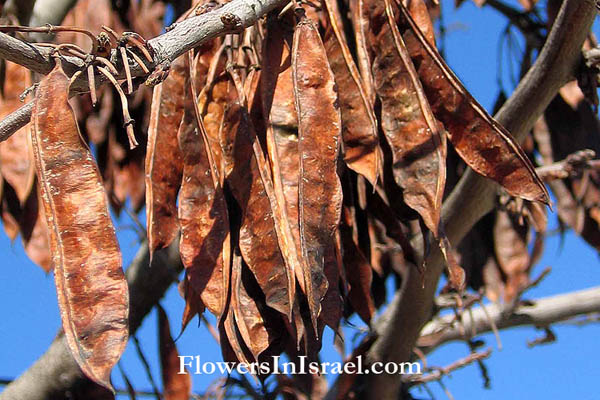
pixel 49 12
pixel 530 28
pixel 184 36
pixel 542 313
pixel 55 373
pixel 574 165
pixel 398 328
pixel 439 373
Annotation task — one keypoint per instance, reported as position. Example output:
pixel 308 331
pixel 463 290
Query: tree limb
pixel 542 313
pixel 398 328
pixel 184 36
pixel 55 373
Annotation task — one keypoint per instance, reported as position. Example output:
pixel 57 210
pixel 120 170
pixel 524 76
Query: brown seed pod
pixel 164 164
pixel 92 291
pixel 319 127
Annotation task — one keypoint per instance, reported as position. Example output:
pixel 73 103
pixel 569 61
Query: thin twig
pixel 439 373
pixel 211 328
pixel 575 164
pixel 144 360
pixel 492 324
pixel 548 338
pixel 50 29
pixel 541 312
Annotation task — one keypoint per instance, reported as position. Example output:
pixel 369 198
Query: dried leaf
pixel 359 125
pixel 91 287
pixel 319 127
pixel 482 143
pixel 164 161
pixel 176 386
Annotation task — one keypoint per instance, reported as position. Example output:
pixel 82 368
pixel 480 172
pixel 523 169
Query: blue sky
pixel 567 368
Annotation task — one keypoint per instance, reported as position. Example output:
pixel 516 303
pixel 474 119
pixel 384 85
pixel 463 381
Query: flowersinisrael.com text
pixel 194 365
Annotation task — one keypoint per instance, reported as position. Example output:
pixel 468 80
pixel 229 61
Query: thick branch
pixel 55 373
pixel 542 313
pixel 398 328
pixel 184 36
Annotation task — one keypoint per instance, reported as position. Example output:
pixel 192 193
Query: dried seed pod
pixel 359 125
pixel 276 102
pixel 177 386
pixel 360 23
pixel 250 313
pixel 512 255
pixel 258 239
pixel 92 290
pixel 486 146
pixel 417 143
pixel 164 162
pixel 319 127
pixel 203 211
pixel 358 271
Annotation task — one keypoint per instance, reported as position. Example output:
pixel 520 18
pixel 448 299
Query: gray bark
pixel 543 313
